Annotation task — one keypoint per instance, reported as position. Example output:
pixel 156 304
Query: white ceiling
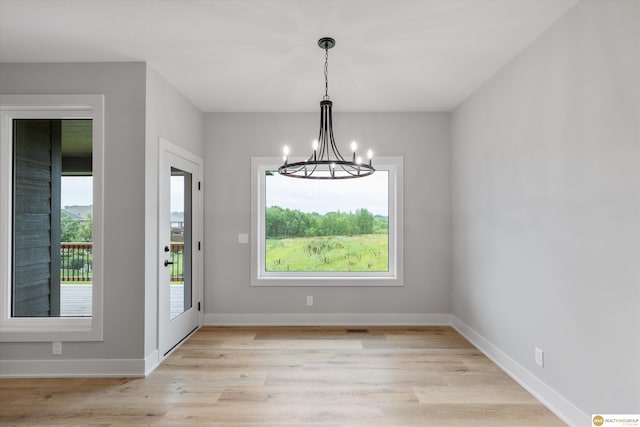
pixel 252 55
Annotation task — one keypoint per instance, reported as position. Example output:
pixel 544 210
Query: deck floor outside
pixel 75 300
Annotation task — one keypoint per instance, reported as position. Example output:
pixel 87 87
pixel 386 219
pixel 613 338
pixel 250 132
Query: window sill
pixel 50 329
pixel 335 281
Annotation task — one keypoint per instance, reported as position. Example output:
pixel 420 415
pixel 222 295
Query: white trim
pixel 53 107
pixel 170 332
pixel 68 368
pixel 550 398
pixel 177 346
pixel 151 362
pixel 327 319
pixel 166 145
pixel 395 275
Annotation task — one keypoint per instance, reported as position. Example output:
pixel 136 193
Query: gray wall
pixel 140 107
pixel 123 85
pixel 546 196
pixel 231 139
pixel 171 116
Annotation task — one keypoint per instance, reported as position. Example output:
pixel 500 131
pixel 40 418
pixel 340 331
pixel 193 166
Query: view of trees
pixel 74 230
pixel 286 223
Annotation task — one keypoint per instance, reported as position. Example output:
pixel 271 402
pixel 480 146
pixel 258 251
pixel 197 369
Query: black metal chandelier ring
pixel 307 169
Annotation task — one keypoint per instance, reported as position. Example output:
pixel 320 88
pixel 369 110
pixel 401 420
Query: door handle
pixel 166 262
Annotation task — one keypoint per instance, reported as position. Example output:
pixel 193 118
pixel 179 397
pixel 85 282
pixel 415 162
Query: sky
pixel 305 195
pixel 322 196
pixel 76 191
pixel 177 193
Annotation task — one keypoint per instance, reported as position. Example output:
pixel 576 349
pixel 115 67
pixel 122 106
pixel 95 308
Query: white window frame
pixel 38 329
pixel 393 277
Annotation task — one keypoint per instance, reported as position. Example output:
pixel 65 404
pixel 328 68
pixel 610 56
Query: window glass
pixel 52 263
pixel 326 225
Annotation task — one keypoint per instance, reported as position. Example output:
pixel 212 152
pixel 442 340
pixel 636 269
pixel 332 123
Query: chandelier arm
pixel 298 167
pixel 328 132
pixel 352 173
pixel 323 135
pixel 321 138
pixel 315 166
pixel 334 147
pixel 348 170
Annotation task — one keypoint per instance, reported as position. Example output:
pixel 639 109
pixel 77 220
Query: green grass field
pixel 368 252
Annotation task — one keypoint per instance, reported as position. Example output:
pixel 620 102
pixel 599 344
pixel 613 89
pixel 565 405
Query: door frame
pixel 167 147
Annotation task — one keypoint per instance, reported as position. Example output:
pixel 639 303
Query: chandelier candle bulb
pixel 369 156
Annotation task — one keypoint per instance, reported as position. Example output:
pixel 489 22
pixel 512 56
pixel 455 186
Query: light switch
pixel 539 357
pixel 243 238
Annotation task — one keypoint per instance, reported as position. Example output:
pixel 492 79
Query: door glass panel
pixel 181 237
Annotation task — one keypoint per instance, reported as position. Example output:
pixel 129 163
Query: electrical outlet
pixel 309 300
pixel 56 348
pixel 539 357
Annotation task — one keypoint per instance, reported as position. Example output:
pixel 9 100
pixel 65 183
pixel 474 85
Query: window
pixel 327 232
pixel 50 223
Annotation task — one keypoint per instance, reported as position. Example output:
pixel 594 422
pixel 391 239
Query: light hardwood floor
pixel 293 376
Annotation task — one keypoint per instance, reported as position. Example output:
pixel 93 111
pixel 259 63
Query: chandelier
pixel 326 162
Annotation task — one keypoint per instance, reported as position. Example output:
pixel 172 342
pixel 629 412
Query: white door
pixel 179 241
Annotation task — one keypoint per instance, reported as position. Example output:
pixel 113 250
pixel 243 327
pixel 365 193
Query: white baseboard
pixel 65 368
pixel 326 319
pixel 553 400
pixel 151 362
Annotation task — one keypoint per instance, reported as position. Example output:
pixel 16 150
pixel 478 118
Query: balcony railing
pixel 76 262
pixel 177 257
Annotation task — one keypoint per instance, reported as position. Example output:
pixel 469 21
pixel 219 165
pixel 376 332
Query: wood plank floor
pixel 292 376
